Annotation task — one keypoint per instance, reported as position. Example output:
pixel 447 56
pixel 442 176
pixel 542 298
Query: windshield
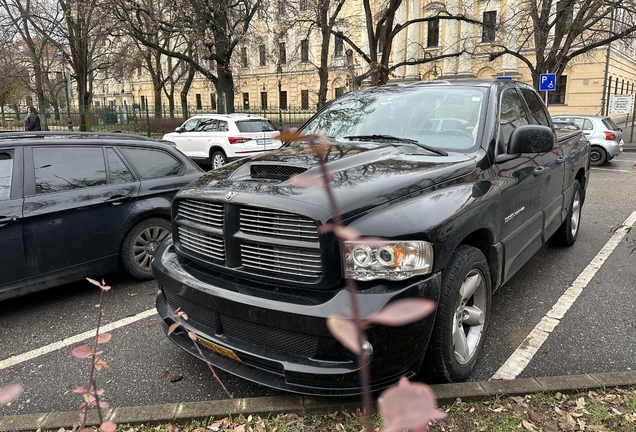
pixel 439 116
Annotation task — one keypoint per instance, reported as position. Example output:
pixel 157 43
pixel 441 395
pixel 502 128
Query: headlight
pixel 393 260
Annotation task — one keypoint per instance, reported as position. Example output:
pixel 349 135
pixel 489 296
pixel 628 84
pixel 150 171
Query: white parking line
pixel 518 361
pixel 615 170
pixel 12 361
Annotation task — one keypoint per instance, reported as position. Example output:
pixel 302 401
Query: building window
pixel 139 72
pixel 281 7
pixel 264 100
pixel 432 35
pixel 489 29
pixel 198 98
pixel 339 46
pixel 381 37
pixel 304 99
pixel 304 51
pixel 282 53
pixel 283 100
pixel 262 57
pixel 558 96
pixel 246 101
pixel 243 57
pixel 143 102
pixel 565 13
pixel 340 91
pixel 213 100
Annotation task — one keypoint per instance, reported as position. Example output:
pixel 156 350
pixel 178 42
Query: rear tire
pixel 140 244
pixel 598 156
pixel 463 314
pixel 568 232
pixel 218 159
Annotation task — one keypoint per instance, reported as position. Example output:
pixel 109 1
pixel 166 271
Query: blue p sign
pixel 547 82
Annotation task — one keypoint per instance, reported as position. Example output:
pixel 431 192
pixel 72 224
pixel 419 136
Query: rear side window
pixel 587 125
pixel 209 126
pixel 255 126
pixel 609 123
pixel 537 110
pixel 150 163
pixel 117 171
pixel 60 169
pixel 6 175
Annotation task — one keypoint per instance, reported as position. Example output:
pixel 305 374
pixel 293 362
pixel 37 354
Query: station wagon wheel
pixel 218 159
pixel 463 314
pixel 569 230
pixel 140 244
pixel 598 156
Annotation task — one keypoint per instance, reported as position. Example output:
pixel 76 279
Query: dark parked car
pixel 461 209
pixel 74 204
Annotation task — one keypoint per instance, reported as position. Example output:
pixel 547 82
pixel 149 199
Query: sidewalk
pixel 308 405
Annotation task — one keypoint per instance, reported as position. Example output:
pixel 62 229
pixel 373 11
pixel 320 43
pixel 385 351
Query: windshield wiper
pixel 398 139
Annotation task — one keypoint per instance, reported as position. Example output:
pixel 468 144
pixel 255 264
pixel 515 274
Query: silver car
pixel 606 138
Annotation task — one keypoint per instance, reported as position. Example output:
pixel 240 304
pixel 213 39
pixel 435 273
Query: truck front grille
pixel 250 240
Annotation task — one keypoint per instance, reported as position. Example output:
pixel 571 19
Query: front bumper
pixel 278 337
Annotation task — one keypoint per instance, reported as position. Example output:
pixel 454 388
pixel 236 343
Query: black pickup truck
pixel 465 181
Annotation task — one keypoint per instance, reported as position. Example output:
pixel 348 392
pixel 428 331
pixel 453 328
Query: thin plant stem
pixel 92 372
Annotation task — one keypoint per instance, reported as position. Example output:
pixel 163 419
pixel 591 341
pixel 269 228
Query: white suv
pixel 219 138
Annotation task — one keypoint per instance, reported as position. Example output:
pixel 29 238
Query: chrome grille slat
pixel 202 243
pixel 202 212
pixel 281 260
pixel 275 223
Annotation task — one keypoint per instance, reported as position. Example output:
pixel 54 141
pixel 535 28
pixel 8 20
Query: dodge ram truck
pixel 464 180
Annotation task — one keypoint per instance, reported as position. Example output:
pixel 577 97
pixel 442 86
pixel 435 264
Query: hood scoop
pixel 275 172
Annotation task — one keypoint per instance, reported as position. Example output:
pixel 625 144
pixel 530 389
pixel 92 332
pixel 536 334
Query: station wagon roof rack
pixel 67 134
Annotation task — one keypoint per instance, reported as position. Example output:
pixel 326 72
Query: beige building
pixel 278 68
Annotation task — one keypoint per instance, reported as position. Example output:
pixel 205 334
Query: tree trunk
pixel 184 93
pixel 225 88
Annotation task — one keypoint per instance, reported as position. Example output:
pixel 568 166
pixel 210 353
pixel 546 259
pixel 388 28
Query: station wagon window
pixel 152 163
pixel 223 126
pixel 255 126
pixel 537 111
pixel 209 126
pixel 6 174
pixel 60 169
pixel 513 114
pixel 117 171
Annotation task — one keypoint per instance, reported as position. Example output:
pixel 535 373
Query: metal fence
pixel 141 120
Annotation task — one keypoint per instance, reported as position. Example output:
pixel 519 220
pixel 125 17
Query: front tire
pixel 218 159
pixel 463 314
pixel 598 156
pixel 140 244
pixel 569 229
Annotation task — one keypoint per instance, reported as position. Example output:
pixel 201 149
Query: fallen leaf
pixel 580 403
pixel 582 424
pixel 11 354
pixel 576 415
pixel 496 410
pixel 176 378
pixel 597 428
pixel 165 374
pixel 18 367
pixel 615 411
pixel 518 399
pixel 527 425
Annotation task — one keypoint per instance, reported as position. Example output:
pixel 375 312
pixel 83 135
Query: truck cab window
pixel 512 115
pixel 6 173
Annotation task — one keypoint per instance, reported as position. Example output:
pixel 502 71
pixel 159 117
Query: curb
pixel 307 405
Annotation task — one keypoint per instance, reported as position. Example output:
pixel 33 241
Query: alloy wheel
pixel 470 316
pixel 145 245
pixel 576 212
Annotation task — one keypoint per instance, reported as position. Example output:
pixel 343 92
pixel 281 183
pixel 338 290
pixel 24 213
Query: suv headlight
pixel 393 260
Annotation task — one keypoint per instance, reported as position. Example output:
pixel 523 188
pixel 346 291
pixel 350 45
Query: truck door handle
pixel 560 160
pixel 117 199
pixel 4 220
pixel 539 170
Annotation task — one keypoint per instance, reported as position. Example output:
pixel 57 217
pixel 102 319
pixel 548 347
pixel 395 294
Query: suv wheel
pixel 463 314
pixel 140 244
pixel 569 230
pixel 218 159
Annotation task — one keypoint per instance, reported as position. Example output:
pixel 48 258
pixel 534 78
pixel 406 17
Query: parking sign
pixel 547 82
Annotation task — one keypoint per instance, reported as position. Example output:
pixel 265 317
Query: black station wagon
pixel 74 205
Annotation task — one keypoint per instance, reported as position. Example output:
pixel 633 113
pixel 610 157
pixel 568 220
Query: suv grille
pixel 250 240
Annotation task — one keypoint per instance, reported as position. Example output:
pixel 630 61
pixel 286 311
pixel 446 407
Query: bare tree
pixel 214 27
pixel 547 35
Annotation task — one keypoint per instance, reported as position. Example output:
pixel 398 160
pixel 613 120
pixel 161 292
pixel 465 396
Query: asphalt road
pixel 595 335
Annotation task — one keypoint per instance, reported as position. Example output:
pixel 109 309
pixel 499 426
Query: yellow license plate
pixel 218 349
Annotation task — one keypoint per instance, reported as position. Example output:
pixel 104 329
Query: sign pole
pixel 546 94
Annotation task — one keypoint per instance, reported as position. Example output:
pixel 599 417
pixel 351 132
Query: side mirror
pixel 531 139
pixel 178 129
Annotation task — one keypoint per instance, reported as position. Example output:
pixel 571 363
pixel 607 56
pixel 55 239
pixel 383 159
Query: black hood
pixel 363 176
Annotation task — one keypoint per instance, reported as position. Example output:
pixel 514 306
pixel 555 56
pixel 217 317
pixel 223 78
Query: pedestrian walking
pixel 32 120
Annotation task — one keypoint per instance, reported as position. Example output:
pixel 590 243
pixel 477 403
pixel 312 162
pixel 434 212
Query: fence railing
pixel 137 119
